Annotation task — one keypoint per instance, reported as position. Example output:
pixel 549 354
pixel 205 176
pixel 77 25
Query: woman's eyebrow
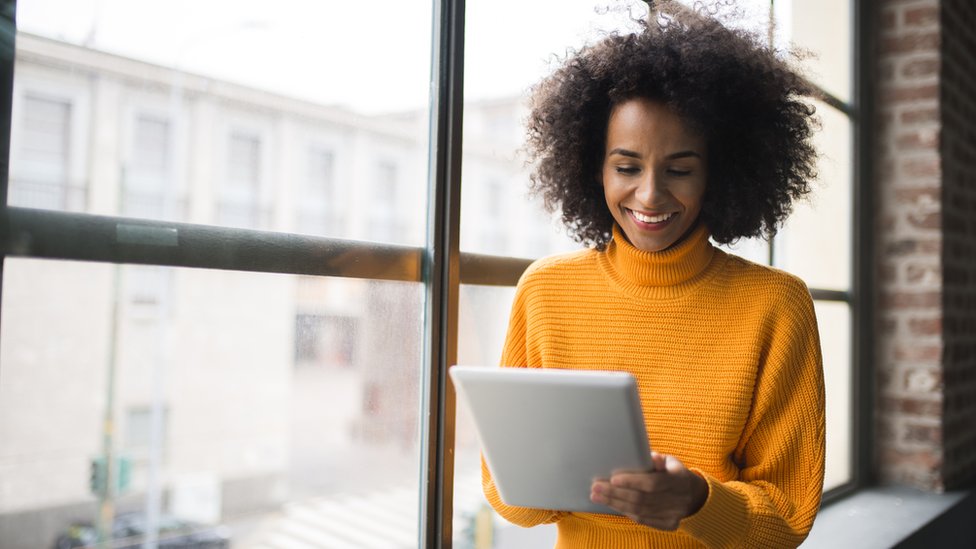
pixel 624 152
pixel 683 154
pixel 672 156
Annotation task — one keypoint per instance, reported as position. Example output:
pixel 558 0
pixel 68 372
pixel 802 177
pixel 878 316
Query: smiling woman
pixel 650 144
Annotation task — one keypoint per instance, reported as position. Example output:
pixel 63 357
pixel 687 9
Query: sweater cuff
pixel 721 518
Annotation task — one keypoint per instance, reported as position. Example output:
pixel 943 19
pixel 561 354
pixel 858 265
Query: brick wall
pixel 958 148
pixel 926 204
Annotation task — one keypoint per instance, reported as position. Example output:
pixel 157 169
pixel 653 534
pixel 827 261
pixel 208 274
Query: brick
pixel 926 460
pixel 930 247
pixel 911 300
pixel 923 167
pixel 919 115
pixel 904 94
pixel 922 381
pixel 931 221
pixel 921 198
pixel 920 68
pixel 918 139
pixel 920 433
pixel 918 353
pixel 925 326
pixel 928 41
pixel 901 247
pixel 931 408
pixel 921 16
pixel 921 274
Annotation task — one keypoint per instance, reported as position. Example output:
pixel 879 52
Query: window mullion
pixel 442 274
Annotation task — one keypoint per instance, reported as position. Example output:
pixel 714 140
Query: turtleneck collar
pixel 667 273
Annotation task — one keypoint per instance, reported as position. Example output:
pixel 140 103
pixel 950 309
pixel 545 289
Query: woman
pixel 650 145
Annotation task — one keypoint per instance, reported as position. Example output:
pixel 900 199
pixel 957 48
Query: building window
pixel 149 179
pixel 240 192
pixel 138 436
pixel 384 217
pixel 319 206
pixel 42 178
pixel 325 340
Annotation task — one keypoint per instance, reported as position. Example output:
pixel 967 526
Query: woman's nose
pixel 650 189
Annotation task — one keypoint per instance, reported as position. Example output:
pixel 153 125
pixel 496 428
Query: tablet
pixel 547 433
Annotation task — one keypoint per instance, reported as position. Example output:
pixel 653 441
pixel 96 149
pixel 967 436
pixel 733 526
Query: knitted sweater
pixel 727 359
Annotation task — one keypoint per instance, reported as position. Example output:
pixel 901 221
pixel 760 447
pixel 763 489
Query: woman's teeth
pixel 651 218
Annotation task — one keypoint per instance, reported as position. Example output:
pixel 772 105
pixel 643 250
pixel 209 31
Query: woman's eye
pixel 679 173
pixel 627 170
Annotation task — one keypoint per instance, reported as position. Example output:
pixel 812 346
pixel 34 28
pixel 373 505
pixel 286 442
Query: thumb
pixel 673 465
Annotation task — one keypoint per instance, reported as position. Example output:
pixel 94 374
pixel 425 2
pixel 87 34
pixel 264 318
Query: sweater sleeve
pixel 514 354
pixel 781 454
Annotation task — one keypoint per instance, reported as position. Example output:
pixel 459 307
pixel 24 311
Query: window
pixel 299 369
pixel 240 193
pixel 384 214
pixel 319 201
pixel 817 250
pixel 149 177
pixel 42 176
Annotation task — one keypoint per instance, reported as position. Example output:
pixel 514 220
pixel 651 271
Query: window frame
pixel 439 265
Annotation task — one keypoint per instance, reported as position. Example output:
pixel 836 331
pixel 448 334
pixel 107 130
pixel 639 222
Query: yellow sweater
pixel 727 359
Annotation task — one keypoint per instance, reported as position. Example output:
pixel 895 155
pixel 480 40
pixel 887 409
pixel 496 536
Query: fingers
pixel 641 507
pixel 659 461
pixel 658 498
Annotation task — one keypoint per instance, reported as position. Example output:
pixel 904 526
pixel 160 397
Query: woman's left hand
pixel 659 498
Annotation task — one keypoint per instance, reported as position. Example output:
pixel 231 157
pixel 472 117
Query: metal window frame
pixel 46 234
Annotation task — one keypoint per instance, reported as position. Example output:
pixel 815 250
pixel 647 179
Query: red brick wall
pixel 910 294
pixel 958 149
pixel 926 205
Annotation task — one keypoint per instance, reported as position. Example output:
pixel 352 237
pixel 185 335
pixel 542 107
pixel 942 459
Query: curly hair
pixel 746 102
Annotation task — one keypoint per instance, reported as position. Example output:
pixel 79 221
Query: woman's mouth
pixel 652 220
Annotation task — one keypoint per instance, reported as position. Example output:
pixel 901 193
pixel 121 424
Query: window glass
pixel 834 321
pixel 498 217
pixel 497 214
pixel 482 322
pixel 207 112
pixel 261 406
pixel 815 242
pixel 822 32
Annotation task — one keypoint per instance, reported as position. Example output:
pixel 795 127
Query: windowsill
pixel 873 518
pixel 895 517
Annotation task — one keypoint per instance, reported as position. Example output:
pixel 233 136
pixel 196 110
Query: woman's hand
pixel 659 498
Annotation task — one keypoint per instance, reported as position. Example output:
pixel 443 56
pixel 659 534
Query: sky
pixel 369 56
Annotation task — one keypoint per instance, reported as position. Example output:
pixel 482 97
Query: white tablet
pixel 547 433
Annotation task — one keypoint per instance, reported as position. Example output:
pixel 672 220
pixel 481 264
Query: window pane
pixel 482 322
pixel 40 169
pixel 225 113
pixel 823 29
pixel 497 215
pixel 270 407
pixel 834 321
pixel 816 241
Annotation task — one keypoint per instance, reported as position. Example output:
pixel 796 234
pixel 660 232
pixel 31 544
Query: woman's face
pixel 653 173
